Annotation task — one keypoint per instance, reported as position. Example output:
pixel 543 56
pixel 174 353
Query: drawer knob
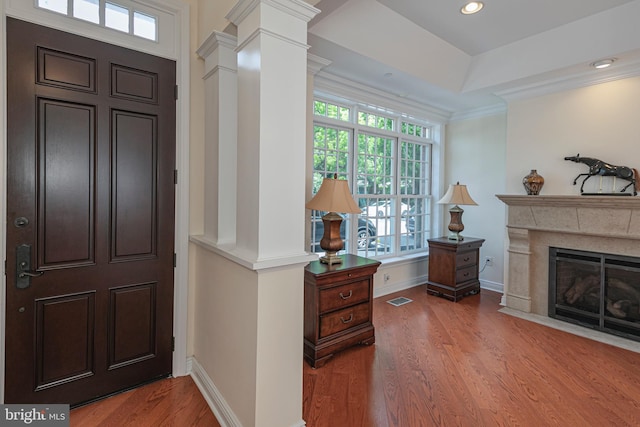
pixel 467 259
pixel 347 296
pixel 348 320
pixel 349 275
pixel 466 274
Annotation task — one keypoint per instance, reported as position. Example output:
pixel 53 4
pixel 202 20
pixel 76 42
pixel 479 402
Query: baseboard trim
pixel 492 286
pixel 399 286
pixel 211 394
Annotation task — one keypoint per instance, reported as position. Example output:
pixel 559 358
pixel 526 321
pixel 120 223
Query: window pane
pixel 319 108
pixel 330 156
pixel 116 17
pixel 332 111
pixel 88 10
pixel 144 26
pixel 345 114
pixel 60 6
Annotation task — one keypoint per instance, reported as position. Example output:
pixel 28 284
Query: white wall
pixel 601 121
pixel 475 152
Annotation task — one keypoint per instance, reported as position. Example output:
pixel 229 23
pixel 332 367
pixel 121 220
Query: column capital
pixel 296 8
pixel 216 40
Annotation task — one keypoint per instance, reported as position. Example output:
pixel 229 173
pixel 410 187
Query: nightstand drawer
pixel 343 319
pixel 468 273
pixel 466 258
pixel 343 296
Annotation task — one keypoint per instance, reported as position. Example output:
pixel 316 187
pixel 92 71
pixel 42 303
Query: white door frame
pixel 173 44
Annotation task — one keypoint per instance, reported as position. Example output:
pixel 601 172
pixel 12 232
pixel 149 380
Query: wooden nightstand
pixel 338 307
pixel 453 267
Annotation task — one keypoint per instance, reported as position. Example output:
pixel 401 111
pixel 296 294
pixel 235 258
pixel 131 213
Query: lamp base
pixel 331 241
pixel 456 225
pixel 456 236
pixel 331 258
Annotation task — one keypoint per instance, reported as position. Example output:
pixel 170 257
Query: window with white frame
pixel 109 14
pixel 387 160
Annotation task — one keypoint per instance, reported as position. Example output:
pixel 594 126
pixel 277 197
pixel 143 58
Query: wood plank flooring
pixel 170 402
pixel 434 363
pixel 439 363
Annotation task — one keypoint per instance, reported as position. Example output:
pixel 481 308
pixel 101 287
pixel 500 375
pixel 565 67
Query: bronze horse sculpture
pixel 598 167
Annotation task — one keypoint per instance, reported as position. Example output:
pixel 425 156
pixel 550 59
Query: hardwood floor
pixel 170 402
pixel 439 363
pixel 434 363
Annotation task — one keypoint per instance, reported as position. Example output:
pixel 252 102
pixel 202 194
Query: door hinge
pixel 176 92
pixel 173 343
pixel 175 260
pixel 175 176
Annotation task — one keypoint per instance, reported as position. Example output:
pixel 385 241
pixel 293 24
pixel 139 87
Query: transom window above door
pixel 109 14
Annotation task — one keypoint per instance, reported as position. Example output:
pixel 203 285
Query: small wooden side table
pixel 453 267
pixel 338 306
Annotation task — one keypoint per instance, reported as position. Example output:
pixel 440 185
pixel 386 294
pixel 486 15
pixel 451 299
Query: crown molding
pixel 352 91
pixel 316 63
pixel 575 81
pixel 476 113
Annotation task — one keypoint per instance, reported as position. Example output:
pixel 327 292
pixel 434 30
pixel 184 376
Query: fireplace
pixel 610 225
pixel 597 290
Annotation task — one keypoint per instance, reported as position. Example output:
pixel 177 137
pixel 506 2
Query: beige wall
pixel 211 16
pixel 225 328
pixel 475 151
pixel 601 121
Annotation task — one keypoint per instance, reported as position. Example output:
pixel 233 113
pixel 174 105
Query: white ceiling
pixel 428 52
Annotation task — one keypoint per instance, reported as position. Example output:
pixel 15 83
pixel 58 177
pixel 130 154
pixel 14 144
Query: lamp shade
pixel 457 195
pixel 334 196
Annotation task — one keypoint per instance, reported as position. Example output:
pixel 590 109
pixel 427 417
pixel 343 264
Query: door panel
pixel 66 70
pixel 132 314
pixel 90 193
pixel 64 338
pixel 65 183
pixel 134 183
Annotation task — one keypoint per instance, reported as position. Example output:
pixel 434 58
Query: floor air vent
pixel 399 301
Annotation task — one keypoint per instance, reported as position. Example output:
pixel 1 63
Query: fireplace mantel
pixel 608 224
pixel 593 215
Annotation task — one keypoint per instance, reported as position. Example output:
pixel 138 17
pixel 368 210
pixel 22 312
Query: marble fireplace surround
pixel 608 224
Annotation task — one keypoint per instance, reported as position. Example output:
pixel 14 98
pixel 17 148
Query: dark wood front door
pixel 90 216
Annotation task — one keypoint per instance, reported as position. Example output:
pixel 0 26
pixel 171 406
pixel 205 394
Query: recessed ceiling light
pixel 471 7
pixel 603 63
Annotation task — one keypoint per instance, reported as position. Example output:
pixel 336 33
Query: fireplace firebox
pixel 596 290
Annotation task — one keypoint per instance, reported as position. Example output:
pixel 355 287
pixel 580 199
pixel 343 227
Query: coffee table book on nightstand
pixel 338 307
pixel 453 267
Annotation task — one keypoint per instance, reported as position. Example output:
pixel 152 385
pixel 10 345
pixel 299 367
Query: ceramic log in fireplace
pixel 596 290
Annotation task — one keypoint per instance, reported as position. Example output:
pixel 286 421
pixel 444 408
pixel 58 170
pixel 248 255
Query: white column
pixel 221 118
pixel 272 105
pixel 272 120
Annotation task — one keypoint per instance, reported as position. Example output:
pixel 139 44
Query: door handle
pixel 27 273
pixel 23 267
